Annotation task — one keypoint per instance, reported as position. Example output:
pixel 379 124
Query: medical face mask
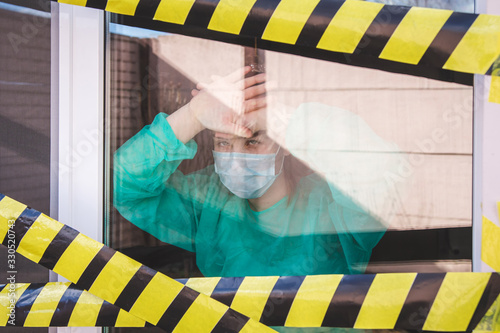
pixel 248 176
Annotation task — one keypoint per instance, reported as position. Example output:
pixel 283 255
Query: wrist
pixel 193 119
pixel 184 125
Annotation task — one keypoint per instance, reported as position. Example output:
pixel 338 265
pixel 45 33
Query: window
pixel 378 165
pixel 428 121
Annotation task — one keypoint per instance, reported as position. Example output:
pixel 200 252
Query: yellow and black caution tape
pixel 404 301
pixel 491 320
pixel 435 302
pixel 490 244
pixel 438 302
pixel 427 42
pixel 114 277
pixel 58 304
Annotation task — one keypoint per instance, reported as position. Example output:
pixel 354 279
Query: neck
pixel 275 193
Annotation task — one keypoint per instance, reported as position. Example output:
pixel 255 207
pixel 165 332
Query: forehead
pixel 226 136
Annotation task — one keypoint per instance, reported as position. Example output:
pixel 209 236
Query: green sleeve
pixel 355 162
pixel 150 192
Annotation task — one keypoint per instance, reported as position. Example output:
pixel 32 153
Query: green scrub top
pixel 319 230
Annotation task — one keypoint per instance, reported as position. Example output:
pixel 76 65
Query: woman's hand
pixel 224 104
pixel 273 118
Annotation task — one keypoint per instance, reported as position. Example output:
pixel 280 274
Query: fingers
pixel 252 86
pixel 236 129
pixel 256 121
pixel 238 74
pixel 242 131
pixel 201 86
pixel 237 77
pixel 234 77
pixel 254 104
pixel 253 80
pixel 254 91
pixel 194 92
pixel 229 82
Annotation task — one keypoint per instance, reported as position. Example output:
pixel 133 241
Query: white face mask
pixel 247 176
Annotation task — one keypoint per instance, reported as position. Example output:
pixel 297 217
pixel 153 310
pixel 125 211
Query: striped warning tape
pixel 420 41
pixel 407 301
pixel 444 302
pixel 112 276
pixel 432 302
pixel 491 320
pixel 490 244
pixel 59 304
pixel 441 302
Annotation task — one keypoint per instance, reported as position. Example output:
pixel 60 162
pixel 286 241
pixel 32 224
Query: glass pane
pixel 25 39
pixel 343 170
pixel 425 124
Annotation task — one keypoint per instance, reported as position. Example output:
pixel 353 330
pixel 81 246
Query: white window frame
pixel 486 157
pixel 77 120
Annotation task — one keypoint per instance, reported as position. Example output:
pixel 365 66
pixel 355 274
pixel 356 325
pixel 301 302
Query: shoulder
pixel 310 207
pixel 312 184
pixel 313 194
pixel 209 187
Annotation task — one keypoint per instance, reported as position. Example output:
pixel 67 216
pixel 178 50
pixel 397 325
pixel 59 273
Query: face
pixel 259 143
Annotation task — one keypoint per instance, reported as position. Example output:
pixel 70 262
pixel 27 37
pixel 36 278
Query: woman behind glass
pixel 249 213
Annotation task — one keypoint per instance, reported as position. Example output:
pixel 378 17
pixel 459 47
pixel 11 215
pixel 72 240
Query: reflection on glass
pixel 299 167
pixel 249 213
pixel 296 188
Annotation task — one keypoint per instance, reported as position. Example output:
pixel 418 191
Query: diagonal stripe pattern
pixel 63 304
pixel 448 302
pixel 431 38
pixel 141 296
pixel 106 274
pixel 490 245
